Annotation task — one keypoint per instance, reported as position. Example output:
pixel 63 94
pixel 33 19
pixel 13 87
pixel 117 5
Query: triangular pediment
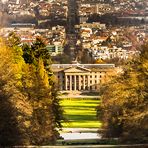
pixel 77 69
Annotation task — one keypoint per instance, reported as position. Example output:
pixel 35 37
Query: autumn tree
pixel 36 87
pixel 125 101
pixel 12 107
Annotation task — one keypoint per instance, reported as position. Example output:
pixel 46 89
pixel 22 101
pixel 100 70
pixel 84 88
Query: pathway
pixel 80 133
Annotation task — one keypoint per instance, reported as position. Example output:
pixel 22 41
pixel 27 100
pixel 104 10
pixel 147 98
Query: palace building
pixel 82 77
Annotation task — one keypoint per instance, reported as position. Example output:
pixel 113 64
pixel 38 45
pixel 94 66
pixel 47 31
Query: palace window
pixel 90 87
pixel 63 87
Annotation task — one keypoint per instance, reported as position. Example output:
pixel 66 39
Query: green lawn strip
pixel 80 113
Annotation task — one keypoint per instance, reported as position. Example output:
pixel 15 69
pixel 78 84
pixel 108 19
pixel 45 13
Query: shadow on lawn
pixel 78 118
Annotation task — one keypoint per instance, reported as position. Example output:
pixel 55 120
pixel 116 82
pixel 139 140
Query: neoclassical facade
pixel 82 77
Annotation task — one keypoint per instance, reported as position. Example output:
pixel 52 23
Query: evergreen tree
pixel 44 90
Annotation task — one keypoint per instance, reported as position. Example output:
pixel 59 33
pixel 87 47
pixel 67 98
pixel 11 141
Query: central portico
pixel 77 78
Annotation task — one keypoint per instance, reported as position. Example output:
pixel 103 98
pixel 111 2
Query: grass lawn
pixel 80 113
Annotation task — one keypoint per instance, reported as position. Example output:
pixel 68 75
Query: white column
pixel 61 82
pixel 84 82
pixel 70 82
pixel 65 82
pixel 75 83
pixel 79 82
pixel 88 82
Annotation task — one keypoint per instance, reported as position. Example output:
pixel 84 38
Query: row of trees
pixel 124 106
pixel 30 110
